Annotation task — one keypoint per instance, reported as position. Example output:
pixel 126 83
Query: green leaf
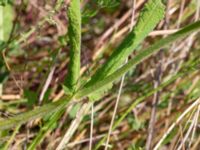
pixel 10 141
pixel 141 56
pixel 74 33
pixel 153 9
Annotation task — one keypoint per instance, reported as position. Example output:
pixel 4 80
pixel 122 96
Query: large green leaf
pixel 151 14
pixel 141 56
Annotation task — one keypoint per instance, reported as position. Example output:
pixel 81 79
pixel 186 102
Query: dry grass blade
pixel 74 125
pixel 196 103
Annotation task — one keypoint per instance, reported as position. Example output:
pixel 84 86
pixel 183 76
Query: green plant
pixel 102 80
pixel 97 85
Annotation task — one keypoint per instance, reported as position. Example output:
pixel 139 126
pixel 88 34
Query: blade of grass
pixel 9 142
pixel 141 56
pixel 74 33
pixel 46 128
pixel 196 103
pixel 74 125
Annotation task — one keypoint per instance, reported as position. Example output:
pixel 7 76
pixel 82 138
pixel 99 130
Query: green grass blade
pixel 151 14
pixel 74 33
pixel 10 141
pixel 46 128
pixel 30 115
pixel 141 56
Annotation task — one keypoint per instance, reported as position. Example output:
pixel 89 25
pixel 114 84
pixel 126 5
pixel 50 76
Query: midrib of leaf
pixel 141 56
pixel 74 33
pixel 151 14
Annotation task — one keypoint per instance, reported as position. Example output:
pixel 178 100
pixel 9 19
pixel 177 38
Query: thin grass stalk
pixel 12 138
pixel 74 125
pixel 91 126
pixel 191 107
